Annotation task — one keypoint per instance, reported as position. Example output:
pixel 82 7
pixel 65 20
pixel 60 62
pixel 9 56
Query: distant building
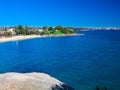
pixel 11 30
pixel 40 30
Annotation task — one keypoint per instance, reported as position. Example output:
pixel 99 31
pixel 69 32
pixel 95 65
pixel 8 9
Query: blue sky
pixel 77 13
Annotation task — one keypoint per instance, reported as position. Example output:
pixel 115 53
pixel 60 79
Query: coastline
pixel 100 30
pixel 17 38
pixel 31 81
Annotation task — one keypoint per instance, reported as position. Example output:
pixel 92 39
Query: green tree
pixel 71 31
pixel 37 32
pixel 65 31
pixel 17 31
pixel 51 29
pixel 20 27
pixel 58 27
pixel 45 28
pixel 23 32
pixel 42 33
pixel 7 34
pixel 27 30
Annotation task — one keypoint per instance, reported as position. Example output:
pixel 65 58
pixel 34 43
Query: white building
pixel 11 30
pixel 40 30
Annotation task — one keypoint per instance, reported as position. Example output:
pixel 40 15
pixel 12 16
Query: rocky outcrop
pixel 30 81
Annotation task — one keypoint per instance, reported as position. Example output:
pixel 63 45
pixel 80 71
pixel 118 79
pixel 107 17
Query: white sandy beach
pixel 3 39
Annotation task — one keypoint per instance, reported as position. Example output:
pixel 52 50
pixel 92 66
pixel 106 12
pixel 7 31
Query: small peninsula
pixel 24 32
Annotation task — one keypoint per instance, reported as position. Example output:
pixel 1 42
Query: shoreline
pixel 18 38
pixel 99 30
pixel 31 81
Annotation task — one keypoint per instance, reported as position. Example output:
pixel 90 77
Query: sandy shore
pixel 15 38
pixel 3 39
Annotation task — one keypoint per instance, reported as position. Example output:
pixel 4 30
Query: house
pixel 11 30
pixel 40 30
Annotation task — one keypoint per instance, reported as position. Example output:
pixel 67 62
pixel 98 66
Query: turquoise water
pixel 82 62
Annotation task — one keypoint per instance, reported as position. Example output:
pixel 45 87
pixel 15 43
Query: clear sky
pixel 77 13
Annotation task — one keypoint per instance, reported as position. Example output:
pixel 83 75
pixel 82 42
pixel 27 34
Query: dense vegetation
pixel 8 34
pixel 20 30
pixel 57 30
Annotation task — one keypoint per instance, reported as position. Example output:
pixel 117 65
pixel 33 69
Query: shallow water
pixel 82 62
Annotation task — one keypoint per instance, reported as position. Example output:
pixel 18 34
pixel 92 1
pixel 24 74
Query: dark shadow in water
pixel 62 87
pixel 65 87
pixel 99 88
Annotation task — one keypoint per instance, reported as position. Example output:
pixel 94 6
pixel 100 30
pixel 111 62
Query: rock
pixel 30 81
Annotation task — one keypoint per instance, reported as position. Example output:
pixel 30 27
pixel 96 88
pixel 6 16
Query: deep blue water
pixel 82 62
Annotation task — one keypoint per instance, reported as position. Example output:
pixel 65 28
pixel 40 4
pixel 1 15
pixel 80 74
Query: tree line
pixel 57 30
pixel 20 30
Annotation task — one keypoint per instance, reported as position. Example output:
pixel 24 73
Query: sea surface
pixel 82 62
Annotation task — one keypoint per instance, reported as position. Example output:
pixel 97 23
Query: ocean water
pixel 82 62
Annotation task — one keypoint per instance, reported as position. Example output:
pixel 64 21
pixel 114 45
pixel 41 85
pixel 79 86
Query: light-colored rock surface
pixel 29 81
